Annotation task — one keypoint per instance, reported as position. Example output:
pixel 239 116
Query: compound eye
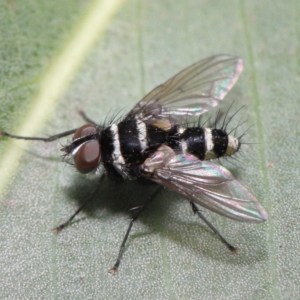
pixel 84 130
pixel 88 156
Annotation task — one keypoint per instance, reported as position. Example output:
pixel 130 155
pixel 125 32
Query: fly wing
pixel 191 92
pixel 204 183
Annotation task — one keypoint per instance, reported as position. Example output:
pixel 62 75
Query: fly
pixel 151 144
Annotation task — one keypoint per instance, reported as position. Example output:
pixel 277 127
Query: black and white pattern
pixel 151 144
pixel 152 129
pixel 132 141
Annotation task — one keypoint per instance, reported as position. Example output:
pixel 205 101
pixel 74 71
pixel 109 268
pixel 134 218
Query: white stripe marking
pixel 208 140
pixel 184 146
pixel 142 132
pixel 181 130
pixel 183 142
pixel 116 155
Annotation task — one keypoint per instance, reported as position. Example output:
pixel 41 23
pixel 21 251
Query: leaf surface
pixel 170 254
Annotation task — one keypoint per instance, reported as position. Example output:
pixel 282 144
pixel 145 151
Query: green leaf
pixel 59 57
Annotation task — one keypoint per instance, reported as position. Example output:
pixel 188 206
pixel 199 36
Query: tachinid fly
pixel 151 144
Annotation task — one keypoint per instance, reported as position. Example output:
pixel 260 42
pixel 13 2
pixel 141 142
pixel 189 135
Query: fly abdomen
pixel 220 142
pixel 207 143
pixel 193 141
pixel 156 136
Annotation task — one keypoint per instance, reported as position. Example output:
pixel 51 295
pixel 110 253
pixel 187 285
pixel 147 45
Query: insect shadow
pixel 160 217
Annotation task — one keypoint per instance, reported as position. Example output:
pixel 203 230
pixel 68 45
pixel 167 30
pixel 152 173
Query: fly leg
pixel 114 269
pixel 59 228
pixel 214 229
pixel 49 138
pixel 45 139
pixel 86 118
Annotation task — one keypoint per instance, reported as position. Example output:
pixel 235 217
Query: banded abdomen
pixel 207 143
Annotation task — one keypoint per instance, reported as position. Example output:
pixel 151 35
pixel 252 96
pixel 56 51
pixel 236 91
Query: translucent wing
pixel 205 183
pixel 191 92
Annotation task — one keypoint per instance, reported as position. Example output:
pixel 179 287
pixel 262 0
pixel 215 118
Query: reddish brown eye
pixel 87 157
pixel 84 130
